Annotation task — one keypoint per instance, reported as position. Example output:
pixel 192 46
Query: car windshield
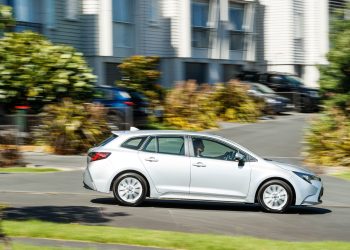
pixel 263 89
pixel 296 81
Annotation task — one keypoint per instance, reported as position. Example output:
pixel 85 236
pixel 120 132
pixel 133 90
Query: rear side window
pixel 166 145
pixel 108 140
pixel 171 145
pixel 134 143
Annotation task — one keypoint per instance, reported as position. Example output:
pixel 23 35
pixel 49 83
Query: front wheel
pixel 129 189
pixel 275 196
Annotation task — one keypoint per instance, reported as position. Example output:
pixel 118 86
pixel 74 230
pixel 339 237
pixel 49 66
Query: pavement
pixel 77 244
pixel 60 197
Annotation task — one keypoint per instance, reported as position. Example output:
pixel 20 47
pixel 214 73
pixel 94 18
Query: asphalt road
pixel 60 196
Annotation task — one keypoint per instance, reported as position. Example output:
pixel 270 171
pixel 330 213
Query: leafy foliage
pixel 188 106
pixel 329 140
pixel 72 128
pixel 329 137
pixel 335 77
pixel 194 107
pixel 9 154
pixel 5 17
pixel 33 70
pixel 140 73
pixel 234 104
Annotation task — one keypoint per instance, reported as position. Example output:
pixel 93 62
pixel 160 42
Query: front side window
pixel 200 31
pixel 166 145
pixel 206 148
pixel 134 143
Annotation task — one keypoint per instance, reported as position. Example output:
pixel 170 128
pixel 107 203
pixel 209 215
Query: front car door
pixel 214 172
pixel 166 161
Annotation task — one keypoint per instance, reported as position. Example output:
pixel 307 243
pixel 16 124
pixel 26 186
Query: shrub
pixel 189 106
pixel 232 103
pixel 9 154
pixel 329 140
pixel 35 71
pixel 71 128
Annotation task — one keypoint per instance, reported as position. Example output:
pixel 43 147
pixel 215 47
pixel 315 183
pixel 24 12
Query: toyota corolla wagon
pixel 135 165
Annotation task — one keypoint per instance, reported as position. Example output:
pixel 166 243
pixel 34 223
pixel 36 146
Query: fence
pixel 21 125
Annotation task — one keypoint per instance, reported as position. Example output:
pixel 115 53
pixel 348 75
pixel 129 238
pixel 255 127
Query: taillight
pixel 95 156
pixel 129 103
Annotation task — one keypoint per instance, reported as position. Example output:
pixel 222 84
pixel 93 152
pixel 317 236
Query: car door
pixel 214 173
pixel 166 161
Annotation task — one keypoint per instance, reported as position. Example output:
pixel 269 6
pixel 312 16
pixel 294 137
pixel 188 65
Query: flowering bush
pixel 72 128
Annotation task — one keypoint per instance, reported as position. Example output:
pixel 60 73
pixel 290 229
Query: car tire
pixel 129 189
pixel 275 196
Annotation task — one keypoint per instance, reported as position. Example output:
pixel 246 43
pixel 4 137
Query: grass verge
pixel 28 170
pixel 163 239
pixel 343 175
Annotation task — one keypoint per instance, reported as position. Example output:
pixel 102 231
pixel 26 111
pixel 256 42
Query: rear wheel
pixel 129 189
pixel 275 196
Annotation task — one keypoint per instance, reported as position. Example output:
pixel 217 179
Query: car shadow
pixel 62 214
pixel 220 206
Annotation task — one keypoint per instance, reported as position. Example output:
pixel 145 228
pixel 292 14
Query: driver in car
pixel 199 147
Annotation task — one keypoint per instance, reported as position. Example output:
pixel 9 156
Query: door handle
pixel 151 159
pixel 199 165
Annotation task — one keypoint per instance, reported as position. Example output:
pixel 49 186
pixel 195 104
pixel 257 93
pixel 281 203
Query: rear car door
pixel 167 163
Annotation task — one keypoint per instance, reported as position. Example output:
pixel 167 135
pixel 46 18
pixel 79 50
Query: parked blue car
pixel 125 107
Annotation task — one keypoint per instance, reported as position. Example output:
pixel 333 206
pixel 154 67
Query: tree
pixel 140 73
pixel 329 136
pixel 5 17
pixel 35 71
pixel 335 77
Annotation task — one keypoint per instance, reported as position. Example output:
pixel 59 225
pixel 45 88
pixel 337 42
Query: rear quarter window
pixel 134 143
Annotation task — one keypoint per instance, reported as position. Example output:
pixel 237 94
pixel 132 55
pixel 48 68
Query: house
pixel 206 40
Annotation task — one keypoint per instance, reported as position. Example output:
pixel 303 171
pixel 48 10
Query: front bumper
pixel 314 198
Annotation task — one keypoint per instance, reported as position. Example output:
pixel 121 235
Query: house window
pixel 72 9
pixel 236 17
pixel 123 23
pixel 50 13
pixel 27 11
pixel 154 11
pixel 298 24
pixel 200 30
pixel 236 41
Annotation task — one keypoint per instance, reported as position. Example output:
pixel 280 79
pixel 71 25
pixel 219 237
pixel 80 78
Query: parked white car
pixel 135 165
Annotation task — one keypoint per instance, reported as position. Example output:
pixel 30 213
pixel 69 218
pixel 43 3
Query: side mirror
pixel 240 158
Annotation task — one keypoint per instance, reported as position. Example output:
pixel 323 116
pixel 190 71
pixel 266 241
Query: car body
pixel 304 98
pixel 195 166
pixel 120 102
pixel 274 103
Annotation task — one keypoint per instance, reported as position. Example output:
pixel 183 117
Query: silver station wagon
pixel 135 165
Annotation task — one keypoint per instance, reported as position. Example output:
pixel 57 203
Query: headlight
pixel 308 177
pixel 314 94
pixel 270 100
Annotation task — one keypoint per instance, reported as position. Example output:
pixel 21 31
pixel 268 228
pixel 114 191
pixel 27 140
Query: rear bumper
pixel 87 181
